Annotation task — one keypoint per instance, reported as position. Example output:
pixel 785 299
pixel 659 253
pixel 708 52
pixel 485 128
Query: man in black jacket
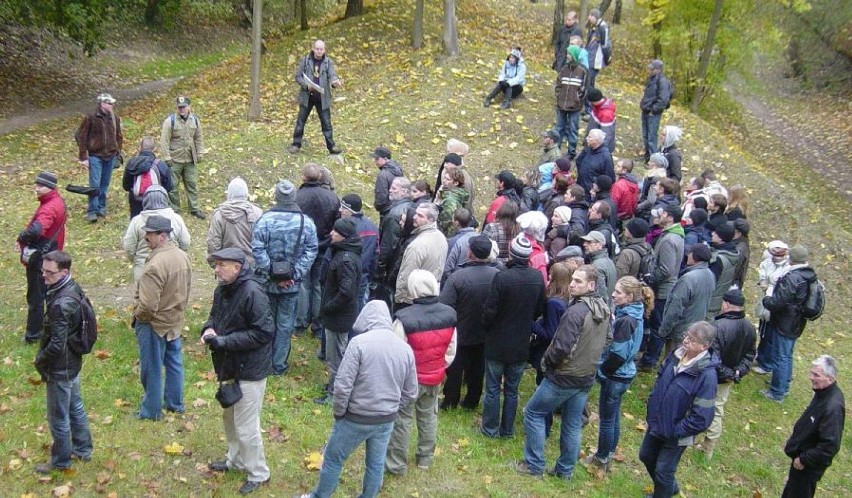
pixel 786 322
pixel 388 170
pixel 240 332
pixel 734 342
pixel 390 238
pixel 466 290
pixel 59 366
pixel 655 100
pixel 817 434
pixel 140 165
pixel 570 28
pixel 340 296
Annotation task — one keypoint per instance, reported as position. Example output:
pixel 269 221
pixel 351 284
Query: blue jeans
pixel 650 128
pixel 567 127
pixel 610 417
pixel 345 437
pixel 782 365
pixel 310 298
pixel 661 457
pixel 68 422
pixel 547 397
pixel 100 174
pixel 507 375
pixel 284 313
pixel 325 122
pixel 155 352
pixel 364 292
pixel 655 343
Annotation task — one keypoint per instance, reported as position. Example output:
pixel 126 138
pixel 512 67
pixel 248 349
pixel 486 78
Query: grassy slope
pixel 412 102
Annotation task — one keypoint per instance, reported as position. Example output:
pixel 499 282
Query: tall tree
pixel 451 34
pixel 152 12
pixel 584 13
pixel 558 19
pixel 706 53
pixel 254 109
pixel 417 32
pixel 303 15
pixel 354 8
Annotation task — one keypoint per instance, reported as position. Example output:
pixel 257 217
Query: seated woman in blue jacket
pixel 510 81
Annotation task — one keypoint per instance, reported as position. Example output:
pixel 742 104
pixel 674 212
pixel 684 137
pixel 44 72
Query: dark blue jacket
pixel 590 164
pixel 681 405
pixel 369 235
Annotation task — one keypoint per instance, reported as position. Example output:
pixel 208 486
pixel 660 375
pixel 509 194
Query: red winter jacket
pixel 625 193
pixel 429 327
pixel 48 219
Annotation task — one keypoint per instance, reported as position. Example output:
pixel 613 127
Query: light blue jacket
pixel 274 239
pixel 513 74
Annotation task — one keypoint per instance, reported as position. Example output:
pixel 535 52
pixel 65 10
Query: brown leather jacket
pixel 100 135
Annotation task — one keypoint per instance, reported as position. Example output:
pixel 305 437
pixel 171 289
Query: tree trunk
pixel 558 20
pixel 584 14
pixel 451 35
pixel 354 8
pixel 254 109
pixel 657 46
pixel 616 15
pixel 604 6
pixel 303 15
pixel 706 53
pixel 417 32
pixel 152 12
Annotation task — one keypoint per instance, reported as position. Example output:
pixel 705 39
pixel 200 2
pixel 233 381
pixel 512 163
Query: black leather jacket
pixel 55 360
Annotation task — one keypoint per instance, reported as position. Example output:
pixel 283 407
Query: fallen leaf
pixel 8 361
pixel 173 449
pixel 63 491
pixel 103 477
pixel 642 426
pixel 102 354
pixel 313 461
pixel 276 435
pixel 198 403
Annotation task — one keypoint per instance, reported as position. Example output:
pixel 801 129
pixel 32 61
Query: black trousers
pixel 325 122
pixel 35 299
pixel 509 92
pixel 468 367
pixel 802 483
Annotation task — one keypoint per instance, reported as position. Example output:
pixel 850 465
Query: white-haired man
pixel 594 160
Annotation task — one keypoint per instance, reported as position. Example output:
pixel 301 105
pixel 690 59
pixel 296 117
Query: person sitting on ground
pixel 510 81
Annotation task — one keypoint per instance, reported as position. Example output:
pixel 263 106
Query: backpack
pixel 145 180
pixel 814 305
pixel 84 341
pixel 646 263
pixel 172 118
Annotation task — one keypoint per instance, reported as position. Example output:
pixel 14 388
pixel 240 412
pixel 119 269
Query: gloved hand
pixel 216 343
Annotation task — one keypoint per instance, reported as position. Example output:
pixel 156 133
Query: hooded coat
pixel 381 195
pixel 140 165
pixel 155 204
pixel 627 329
pixel 584 331
pixel 625 193
pixel 342 284
pixel 231 225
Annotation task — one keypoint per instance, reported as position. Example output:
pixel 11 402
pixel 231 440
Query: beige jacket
pixel 183 142
pixel 428 251
pixel 162 292
pixel 134 238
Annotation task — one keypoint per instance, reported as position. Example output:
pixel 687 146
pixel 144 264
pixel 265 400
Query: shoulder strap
pixel 299 237
pixel 172 117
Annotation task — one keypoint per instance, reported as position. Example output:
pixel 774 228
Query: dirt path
pixel 23 121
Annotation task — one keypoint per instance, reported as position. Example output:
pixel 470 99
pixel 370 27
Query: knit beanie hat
pixel 237 189
pixel 700 252
pixel 725 231
pixel 659 159
pixel 575 52
pixel 564 214
pixel 798 255
pixel 155 197
pixel 520 248
pixel 351 202
pixel 480 246
pixel 285 192
pixel 594 95
pixel 735 297
pixel 347 227
pixel 604 183
pixel 743 226
pixel 452 158
pixel 46 179
pixel 638 227
pixel 564 164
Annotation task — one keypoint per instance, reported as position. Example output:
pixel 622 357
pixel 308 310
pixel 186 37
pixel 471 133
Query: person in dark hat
pixel 99 143
pixel 45 232
pixel 340 295
pixel 239 332
pixel 506 185
pixel 735 345
pixel 741 229
pixel 350 206
pixel 181 147
pixel 283 237
pixel 466 290
pixel 628 263
pixel 162 294
pixel 388 170
pixel 723 263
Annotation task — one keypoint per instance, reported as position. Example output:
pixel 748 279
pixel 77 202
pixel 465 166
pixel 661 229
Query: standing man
pixel 570 363
pixel 595 160
pixel 390 238
pixel 376 379
pixel 44 233
pixel 429 327
pixel 549 147
pixel 143 171
pixel 239 333
pixel 162 294
pixel 563 38
pixel 388 170
pixel 232 223
pixel 182 144
pixel 427 251
pixel 284 248
pixel 570 96
pixel 786 322
pixel 598 44
pixel 350 206
pixel 818 432
pixel 315 76
pixel 99 142
pixel 59 366
pixel 594 245
pixel 655 100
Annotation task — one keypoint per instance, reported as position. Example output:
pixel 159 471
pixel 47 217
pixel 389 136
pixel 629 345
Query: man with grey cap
pixel 655 100
pixel 45 232
pixel 162 294
pixel 181 145
pixel 786 321
pixel 549 147
pixel 284 248
pixel 99 143
pixel 594 244
pixel 154 203
pixel 232 223
pixel 239 332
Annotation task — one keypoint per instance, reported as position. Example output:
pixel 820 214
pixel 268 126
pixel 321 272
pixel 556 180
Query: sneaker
pixel 707 448
pixel 293 149
pixel 335 150
pixel 486 102
pixel 323 400
pixel 81 458
pixel 521 467
pixel 768 395
pixel 218 466
pixel 198 214
pixel 92 217
pixel 505 105
pixel 760 371
pixel 593 461
pixel 251 486
pixel 560 475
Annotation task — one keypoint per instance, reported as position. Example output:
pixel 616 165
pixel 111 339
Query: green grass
pixel 413 102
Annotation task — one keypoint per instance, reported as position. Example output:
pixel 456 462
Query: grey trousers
pixel 242 430
pixel 335 346
pixel 425 410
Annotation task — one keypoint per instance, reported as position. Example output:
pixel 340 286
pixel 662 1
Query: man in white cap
pixel 99 144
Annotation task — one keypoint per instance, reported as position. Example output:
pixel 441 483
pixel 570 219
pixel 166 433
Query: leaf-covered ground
pixel 412 102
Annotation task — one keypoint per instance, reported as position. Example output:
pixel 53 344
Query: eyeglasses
pixel 49 272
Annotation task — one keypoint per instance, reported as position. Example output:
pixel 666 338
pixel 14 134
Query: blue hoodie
pixel 627 330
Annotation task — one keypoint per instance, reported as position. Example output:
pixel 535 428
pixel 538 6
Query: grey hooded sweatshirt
pixel 377 375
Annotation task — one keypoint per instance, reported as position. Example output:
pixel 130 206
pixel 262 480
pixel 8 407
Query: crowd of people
pixel 578 268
